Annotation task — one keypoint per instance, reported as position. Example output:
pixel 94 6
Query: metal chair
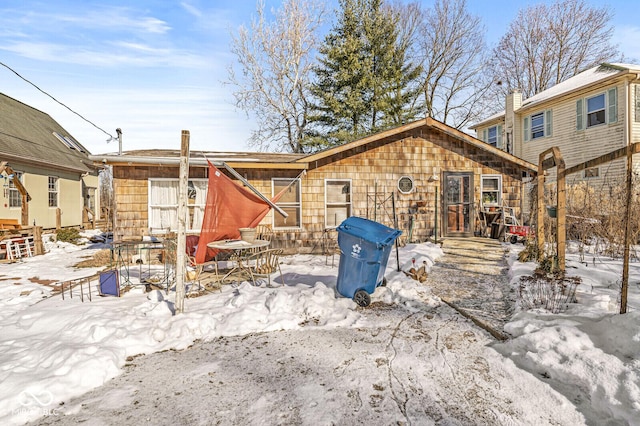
pixel 264 263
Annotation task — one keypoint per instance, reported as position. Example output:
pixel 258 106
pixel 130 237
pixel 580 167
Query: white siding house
pixel 588 115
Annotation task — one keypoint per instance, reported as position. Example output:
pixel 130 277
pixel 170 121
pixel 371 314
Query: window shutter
pixel 579 115
pixel 637 90
pixel 613 105
pixel 525 128
pixel 484 135
pixel 548 123
pixel 499 138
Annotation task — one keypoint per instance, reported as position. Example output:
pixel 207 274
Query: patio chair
pixel 264 263
pixel 264 232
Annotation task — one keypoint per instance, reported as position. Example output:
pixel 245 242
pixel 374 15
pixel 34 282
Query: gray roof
pixel 28 135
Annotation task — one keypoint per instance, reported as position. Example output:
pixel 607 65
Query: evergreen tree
pixel 363 75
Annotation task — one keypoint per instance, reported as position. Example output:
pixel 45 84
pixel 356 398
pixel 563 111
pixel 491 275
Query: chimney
pixel 511 124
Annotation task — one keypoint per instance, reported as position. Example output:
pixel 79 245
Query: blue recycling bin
pixel 364 251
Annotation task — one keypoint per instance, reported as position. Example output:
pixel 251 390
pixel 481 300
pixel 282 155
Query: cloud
pixel 109 55
pixel 191 9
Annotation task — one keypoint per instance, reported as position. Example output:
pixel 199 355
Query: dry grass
pixel 100 258
pixel 595 215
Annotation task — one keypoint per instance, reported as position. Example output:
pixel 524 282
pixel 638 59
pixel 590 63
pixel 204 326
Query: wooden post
pixel 540 210
pixel 58 218
pixel 627 232
pixel 562 211
pixel 182 218
pixel 557 161
pixel 37 240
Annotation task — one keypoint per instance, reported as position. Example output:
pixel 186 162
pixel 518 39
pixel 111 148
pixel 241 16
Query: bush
pixel 548 292
pixel 68 235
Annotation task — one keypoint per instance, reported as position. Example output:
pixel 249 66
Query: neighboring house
pixel 403 167
pixel 586 116
pixel 53 167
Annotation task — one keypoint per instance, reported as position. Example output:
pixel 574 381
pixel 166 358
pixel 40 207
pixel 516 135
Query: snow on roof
pixel 585 78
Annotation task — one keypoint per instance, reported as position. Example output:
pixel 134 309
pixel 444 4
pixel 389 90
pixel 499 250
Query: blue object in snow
pixel 364 251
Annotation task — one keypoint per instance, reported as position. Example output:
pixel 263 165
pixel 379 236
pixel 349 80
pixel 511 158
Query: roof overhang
pixel 39 163
pixel 133 160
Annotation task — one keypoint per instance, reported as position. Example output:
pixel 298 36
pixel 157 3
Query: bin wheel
pixel 514 239
pixel 384 282
pixel 362 298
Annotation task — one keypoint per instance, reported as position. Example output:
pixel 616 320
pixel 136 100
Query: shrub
pixel 68 235
pixel 549 292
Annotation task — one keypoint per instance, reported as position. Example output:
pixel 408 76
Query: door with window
pixel 458 203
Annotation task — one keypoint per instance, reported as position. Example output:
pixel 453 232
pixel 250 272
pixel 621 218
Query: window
pixel 493 136
pixel 596 110
pixel 537 125
pixel 15 198
pixel 163 203
pixel 491 190
pixel 337 202
pixel 289 201
pixel 53 191
pixel 592 172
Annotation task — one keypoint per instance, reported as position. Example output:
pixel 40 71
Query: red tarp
pixel 229 207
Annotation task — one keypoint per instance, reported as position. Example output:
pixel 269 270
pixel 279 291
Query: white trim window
pixel 493 136
pixel 337 199
pixel 163 203
pixel 290 202
pixel 538 125
pixel 491 190
pixel 54 192
pixel 593 172
pixel 15 198
pixel 596 110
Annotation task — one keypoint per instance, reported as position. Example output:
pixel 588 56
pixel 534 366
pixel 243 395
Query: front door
pixel 458 203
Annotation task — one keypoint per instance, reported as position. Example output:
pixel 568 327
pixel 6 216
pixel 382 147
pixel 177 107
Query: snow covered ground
pixel 52 350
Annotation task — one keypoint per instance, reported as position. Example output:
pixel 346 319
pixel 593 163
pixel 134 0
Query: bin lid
pixel 369 230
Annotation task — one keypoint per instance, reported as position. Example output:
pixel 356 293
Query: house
pixel 47 177
pixel 432 176
pixel 586 116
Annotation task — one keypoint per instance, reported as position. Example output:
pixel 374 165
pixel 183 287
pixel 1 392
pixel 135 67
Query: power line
pixel 57 101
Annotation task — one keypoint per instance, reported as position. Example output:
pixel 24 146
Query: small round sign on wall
pixel 405 184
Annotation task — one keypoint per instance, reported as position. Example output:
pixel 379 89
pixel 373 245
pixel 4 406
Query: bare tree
pixel 547 44
pixel 451 47
pixel 275 60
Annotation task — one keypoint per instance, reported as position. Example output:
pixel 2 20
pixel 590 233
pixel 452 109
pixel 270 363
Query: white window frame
pixel 194 224
pixel 546 128
pixel 288 205
pixel 493 140
pixel 610 109
pixel 15 197
pixel 592 173
pixel 53 190
pixel 328 204
pixel 497 191
pixel 589 113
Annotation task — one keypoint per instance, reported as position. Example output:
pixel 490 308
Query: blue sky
pixel 156 67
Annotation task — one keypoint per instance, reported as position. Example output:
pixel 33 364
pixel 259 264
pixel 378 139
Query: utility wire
pixel 57 101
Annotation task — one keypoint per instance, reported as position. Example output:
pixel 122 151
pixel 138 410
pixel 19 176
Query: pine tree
pixel 363 74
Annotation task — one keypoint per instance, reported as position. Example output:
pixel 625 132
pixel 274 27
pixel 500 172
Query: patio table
pixel 238 248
